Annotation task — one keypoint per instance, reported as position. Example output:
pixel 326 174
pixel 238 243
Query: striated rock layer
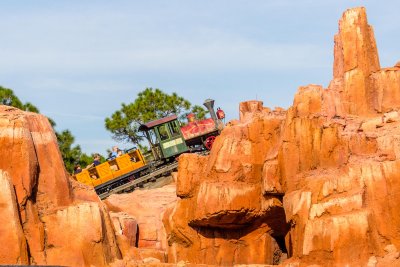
pixel 224 215
pixel 317 184
pixel 147 207
pixel 45 218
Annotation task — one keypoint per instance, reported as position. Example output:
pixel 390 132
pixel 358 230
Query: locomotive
pixel 168 139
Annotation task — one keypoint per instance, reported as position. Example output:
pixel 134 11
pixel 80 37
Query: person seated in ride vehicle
pixel 77 169
pixel 96 159
pixel 114 152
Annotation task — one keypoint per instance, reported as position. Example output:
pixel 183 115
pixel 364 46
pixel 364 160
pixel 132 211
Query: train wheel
pixel 209 142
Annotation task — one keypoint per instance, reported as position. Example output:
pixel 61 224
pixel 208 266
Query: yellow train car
pixel 113 172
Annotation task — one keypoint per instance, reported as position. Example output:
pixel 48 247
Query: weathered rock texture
pixel 147 207
pixel 318 183
pixel 223 215
pixel 46 218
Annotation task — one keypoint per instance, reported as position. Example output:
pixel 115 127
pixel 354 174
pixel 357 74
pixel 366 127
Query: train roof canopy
pixel 152 124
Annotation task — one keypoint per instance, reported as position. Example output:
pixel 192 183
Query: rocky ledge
pixel 317 184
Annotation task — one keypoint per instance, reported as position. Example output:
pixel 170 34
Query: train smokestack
pixel 209 104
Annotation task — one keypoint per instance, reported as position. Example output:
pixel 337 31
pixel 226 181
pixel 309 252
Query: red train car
pixel 203 132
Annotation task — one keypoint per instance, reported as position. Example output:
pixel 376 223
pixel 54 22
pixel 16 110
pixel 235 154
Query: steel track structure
pixel 136 181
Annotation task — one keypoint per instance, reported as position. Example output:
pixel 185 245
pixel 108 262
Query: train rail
pixel 143 179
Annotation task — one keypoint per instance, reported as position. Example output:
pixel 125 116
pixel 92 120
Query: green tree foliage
pixel 150 104
pixel 86 160
pixel 199 111
pixel 71 154
pixel 8 97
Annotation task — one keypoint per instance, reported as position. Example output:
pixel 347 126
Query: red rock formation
pixel 43 221
pixel 222 216
pixel 339 172
pixel 365 89
pixel 147 207
pixel 334 157
pixel 126 231
pixel 11 232
pixel 318 184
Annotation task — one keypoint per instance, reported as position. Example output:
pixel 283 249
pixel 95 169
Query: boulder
pixel 46 217
pixel 11 232
pixel 147 207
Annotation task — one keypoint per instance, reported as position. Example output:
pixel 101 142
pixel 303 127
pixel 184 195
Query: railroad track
pixel 143 179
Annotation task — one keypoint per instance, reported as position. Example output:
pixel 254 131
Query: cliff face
pixel 221 216
pixel 318 183
pixel 45 217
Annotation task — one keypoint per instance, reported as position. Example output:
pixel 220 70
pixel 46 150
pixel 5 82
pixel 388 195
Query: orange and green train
pixel 168 139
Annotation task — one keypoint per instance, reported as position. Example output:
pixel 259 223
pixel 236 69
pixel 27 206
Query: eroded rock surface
pixel 46 218
pixel 147 208
pixel 318 184
pixel 224 215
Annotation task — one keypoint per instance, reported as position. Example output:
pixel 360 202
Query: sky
pixel 78 61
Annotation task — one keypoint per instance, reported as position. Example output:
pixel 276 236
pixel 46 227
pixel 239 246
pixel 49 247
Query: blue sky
pixel 77 61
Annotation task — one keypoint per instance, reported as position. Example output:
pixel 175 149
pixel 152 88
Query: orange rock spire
pixel 318 184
